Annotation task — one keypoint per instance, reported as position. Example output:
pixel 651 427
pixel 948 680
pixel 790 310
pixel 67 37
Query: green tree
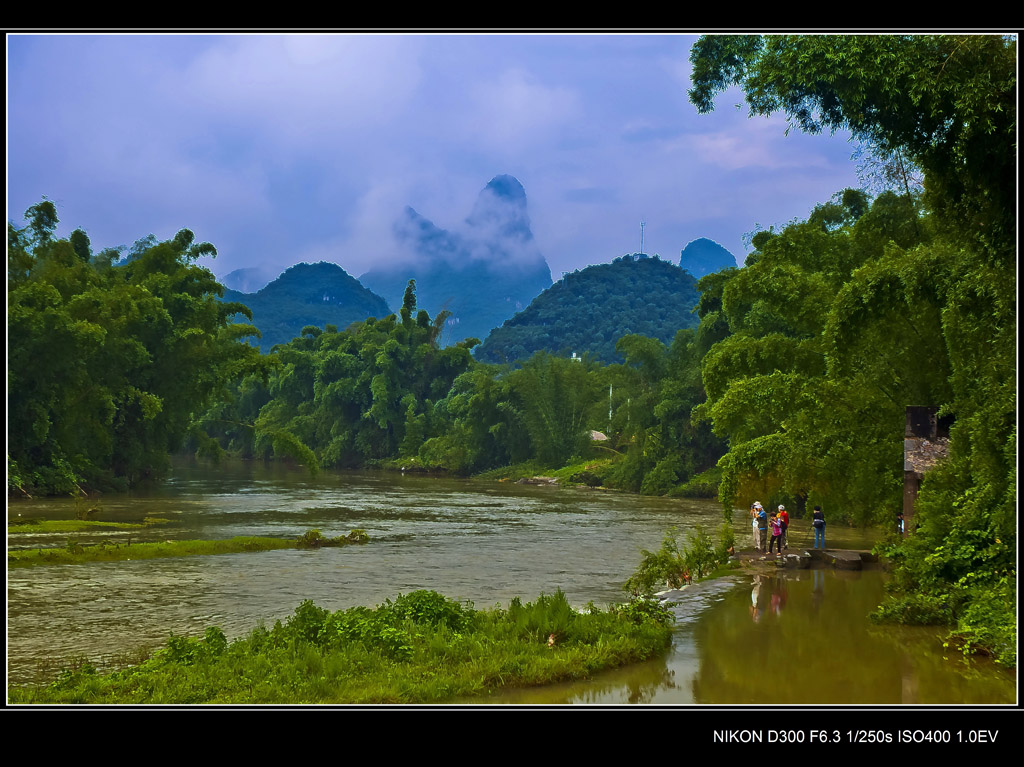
pixel 947 101
pixel 362 394
pixel 930 312
pixel 555 396
pixel 108 365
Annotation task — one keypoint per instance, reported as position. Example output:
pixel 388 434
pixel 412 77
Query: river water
pixel 803 638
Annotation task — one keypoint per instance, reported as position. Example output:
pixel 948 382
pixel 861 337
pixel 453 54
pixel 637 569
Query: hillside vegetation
pixel 588 311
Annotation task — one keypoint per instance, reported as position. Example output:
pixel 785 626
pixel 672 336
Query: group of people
pixel 777 524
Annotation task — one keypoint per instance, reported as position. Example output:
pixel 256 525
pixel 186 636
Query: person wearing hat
pixel 783 516
pixel 761 518
pixel 753 524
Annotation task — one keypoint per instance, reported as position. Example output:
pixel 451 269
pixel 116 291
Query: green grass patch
pixel 589 472
pixel 420 648
pixel 580 471
pixel 114 551
pixel 516 471
pixel 77 525
pixel 412 464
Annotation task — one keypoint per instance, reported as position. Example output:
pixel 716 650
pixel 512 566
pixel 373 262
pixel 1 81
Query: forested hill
pixel 590 310
pixel 308 294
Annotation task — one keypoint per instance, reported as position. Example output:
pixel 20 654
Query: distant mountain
pixel 247 280
pixel 483 273
pixel 704 256
pixel 589 310
pixel 308 294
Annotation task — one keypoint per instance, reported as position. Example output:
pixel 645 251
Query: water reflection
pixel 805 637
pixel 794 638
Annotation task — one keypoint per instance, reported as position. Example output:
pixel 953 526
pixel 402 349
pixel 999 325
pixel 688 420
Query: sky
pixel 287 148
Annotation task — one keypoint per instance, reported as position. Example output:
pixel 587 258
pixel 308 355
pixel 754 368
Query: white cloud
pixel 515 111
pixel 294 88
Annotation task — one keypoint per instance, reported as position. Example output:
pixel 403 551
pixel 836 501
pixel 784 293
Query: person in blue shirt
pixel 762 525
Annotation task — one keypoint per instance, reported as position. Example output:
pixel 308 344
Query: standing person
pixel 776 528
pixel 784 521
pixel 762 526
pixel 819 527
pixel 753 525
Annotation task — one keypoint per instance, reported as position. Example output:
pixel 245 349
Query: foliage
pixel 188 652
pixel 482 424
pixel 641 610
pixel 589 310
pixel 343 398
pixel 432 609
pixel 726 542
pixel 115 551
pixel 840 322
pixel 108 362
pixel 307 295
pixel 657 390
pixel 819 417
pixel 422 647
pixel 553 397
pixel 671 566
pixel 314 539
pixel 384 391
pixel 948 101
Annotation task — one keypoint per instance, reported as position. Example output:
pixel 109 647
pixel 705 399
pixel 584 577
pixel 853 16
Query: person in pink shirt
pixel 776 528
pixel 783 516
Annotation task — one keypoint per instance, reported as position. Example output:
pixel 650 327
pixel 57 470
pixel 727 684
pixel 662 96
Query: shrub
pixel 550 614
pixel 642 610
pixel 188 652
pixel 431 608
pixel 669 565
pixel 311 539
pixel 700 558
pixel 307 622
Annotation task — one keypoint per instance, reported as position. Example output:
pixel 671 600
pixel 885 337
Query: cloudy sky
pixel 280 149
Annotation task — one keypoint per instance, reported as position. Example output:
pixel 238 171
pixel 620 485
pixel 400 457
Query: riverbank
pixel 419 648
pixel 594 472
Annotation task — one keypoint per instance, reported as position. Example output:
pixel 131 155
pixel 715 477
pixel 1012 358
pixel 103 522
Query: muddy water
pixel 478 541
pixel 801 638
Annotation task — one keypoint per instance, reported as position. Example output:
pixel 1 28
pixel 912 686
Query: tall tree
pixel 948 101
pixel 944 288
pixel 108 365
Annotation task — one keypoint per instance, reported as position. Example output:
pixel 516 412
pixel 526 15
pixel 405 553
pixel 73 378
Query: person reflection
pixel 779 596
pixel 755 595
pixel 818 590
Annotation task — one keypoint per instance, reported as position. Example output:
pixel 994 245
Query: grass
pixel 535 468
pixel 76 553
pixel 77 525
pixel 421 648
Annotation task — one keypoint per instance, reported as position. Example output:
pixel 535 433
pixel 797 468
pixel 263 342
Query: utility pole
pixel 642 223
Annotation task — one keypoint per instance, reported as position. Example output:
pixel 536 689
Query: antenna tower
pixel 642 223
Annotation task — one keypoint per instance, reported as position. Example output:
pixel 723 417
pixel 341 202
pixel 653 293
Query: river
pixel 803 638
